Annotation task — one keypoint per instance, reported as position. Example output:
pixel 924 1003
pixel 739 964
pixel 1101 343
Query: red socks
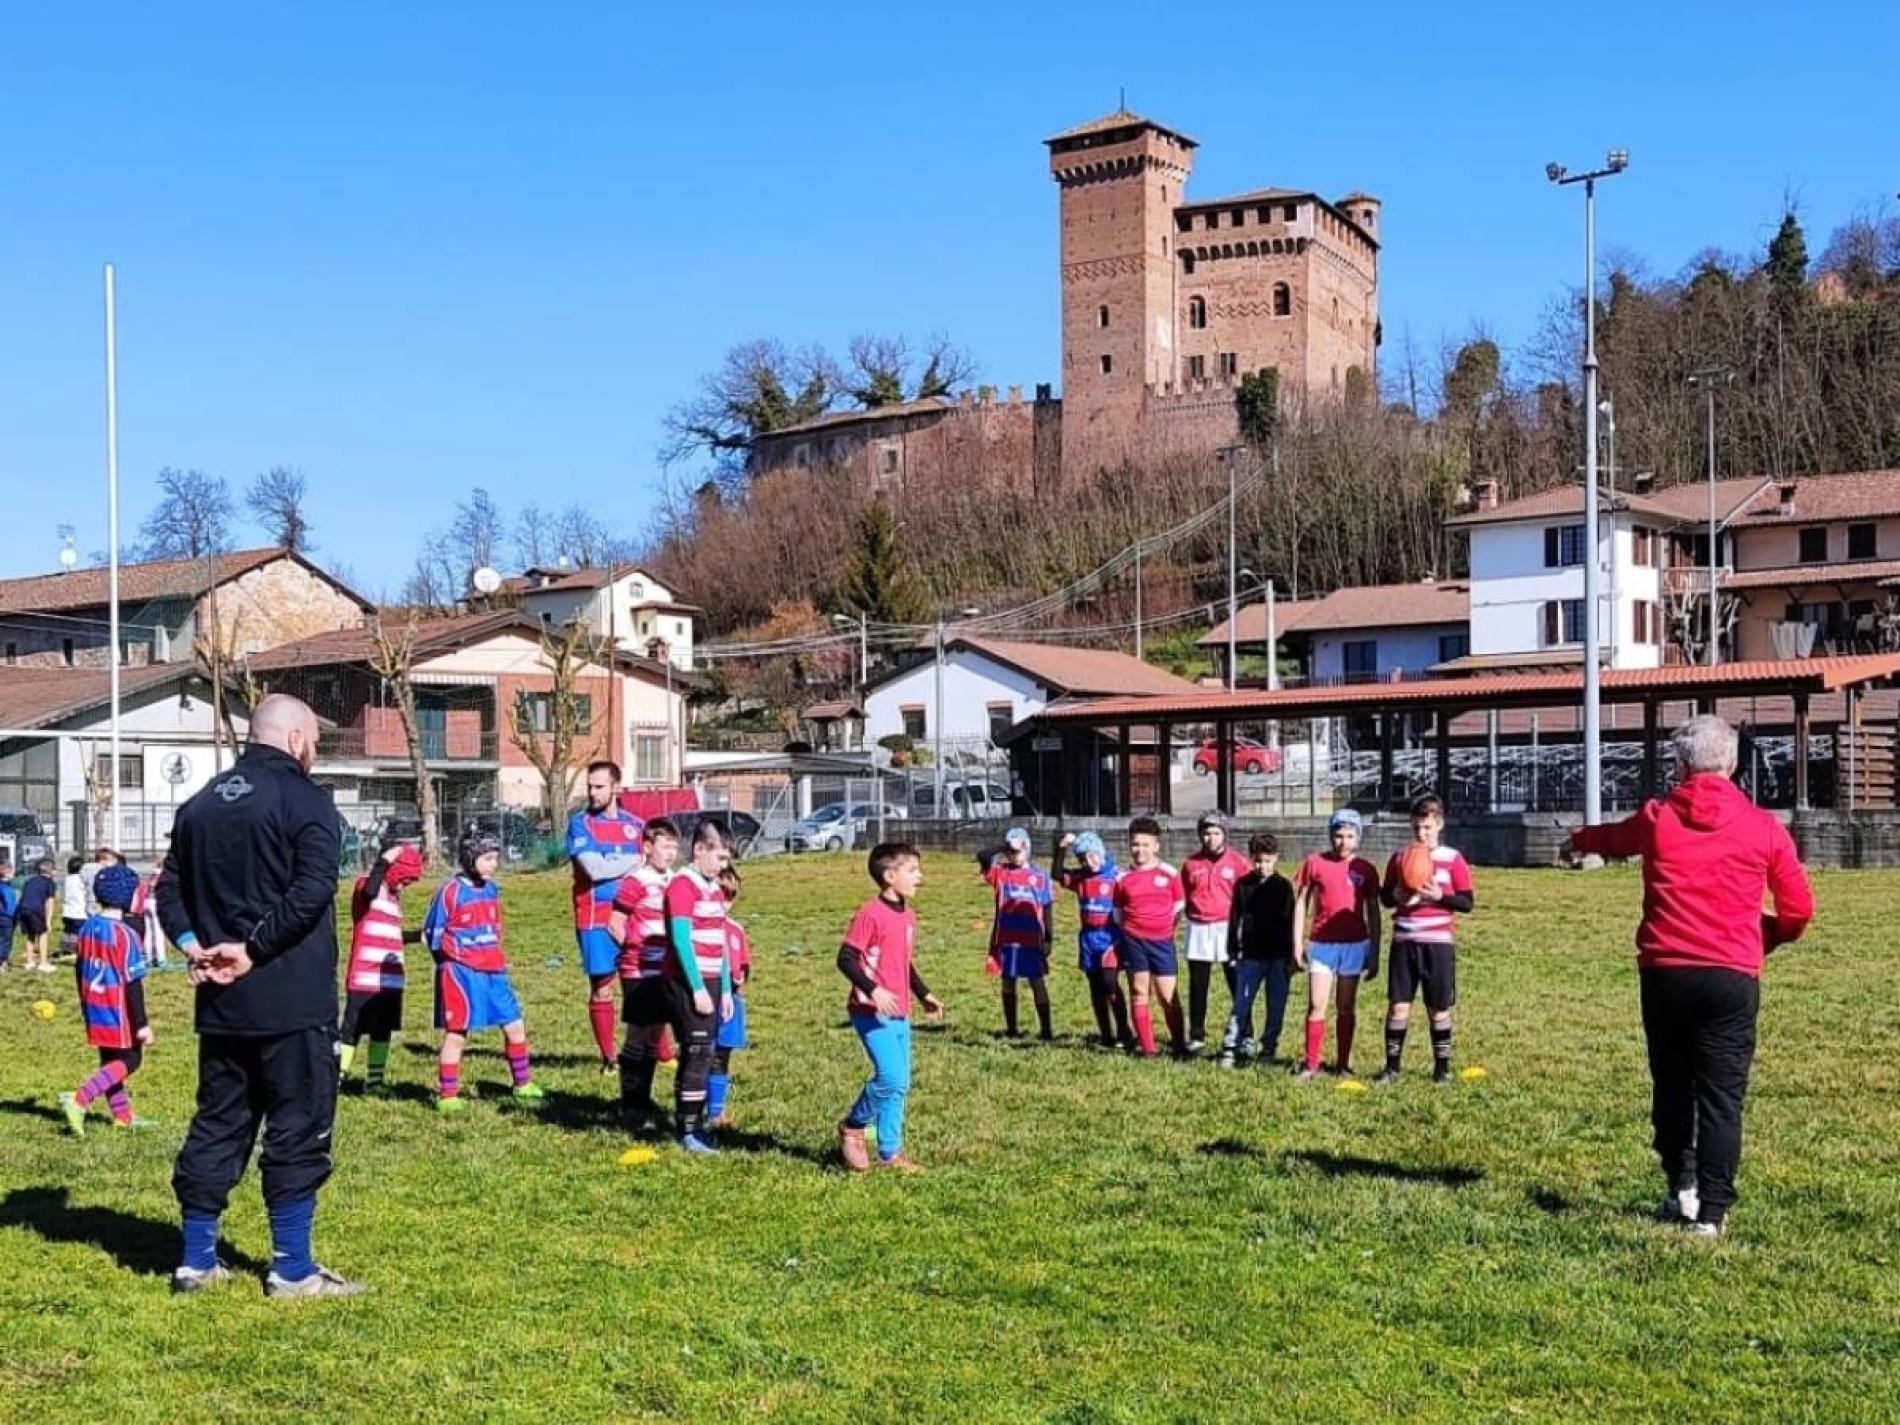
pixel 600 1013
pixel 1315 1037
pixel 1343 1035
pixel 105 1081
pixel 1144 1028
pixel 448 1080
pixel 517 1056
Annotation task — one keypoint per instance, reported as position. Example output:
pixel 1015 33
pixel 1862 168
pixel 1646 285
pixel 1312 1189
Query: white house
pixel 990 685
pixel 1358 635
pixel 624 603
pixel 55 750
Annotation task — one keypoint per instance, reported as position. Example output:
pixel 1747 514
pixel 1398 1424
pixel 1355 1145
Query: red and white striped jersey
pixel 375 940
pixel 1427 921
pixel 642 898
pixel 700 902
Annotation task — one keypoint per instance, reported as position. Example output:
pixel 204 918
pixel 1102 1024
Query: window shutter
pixel 1550 616
pixel 1550 547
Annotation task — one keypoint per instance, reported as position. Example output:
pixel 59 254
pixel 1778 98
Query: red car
pixel 1250 757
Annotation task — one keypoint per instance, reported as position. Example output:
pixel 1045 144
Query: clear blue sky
pixel 418 248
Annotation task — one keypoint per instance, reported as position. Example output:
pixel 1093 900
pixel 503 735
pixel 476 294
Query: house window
pixel 649 758
pixel 1282 300
pixel 1453 645
pixel 1002 719
pixel 1359 659
pixel 913 722
pixel 1108 364
pixel 1197 371
pixel 1814 545
pixel 13 653
pixel 1101 315
pixel 1229 363
pixel 66 651
pixel 1563 621
pixel 1197 312
pixel 1563 546
pixel 1639 615
pixel 1642 546
pixel 1860 541
pixel 536 713
pixel 131 770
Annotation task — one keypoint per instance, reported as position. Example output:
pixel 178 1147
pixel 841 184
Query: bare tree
pixel 192 519
pixel 550 728
pixel 475 535
pixel 760 387
pixel 425 588
pixel 393 659
pixel 581 538
pixel 275 499
pixel 881 371
pixel 535 531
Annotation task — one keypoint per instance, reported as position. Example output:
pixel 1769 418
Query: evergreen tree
pixel 1257 405
pixel 1788 260
pixel 877 583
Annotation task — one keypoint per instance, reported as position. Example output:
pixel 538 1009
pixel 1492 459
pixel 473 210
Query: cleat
pixel 134 1124
pixel 608 1068
pixel 851 1148
pixel 74 1114
pixel 900 1164
pixel 450 1105
pixel 1304 1075
pixel 530 1092
pixel 1194 1046
pixel 190 1279
pixel 321 1282
pixel 1387 1076
pixel 1704 1231
pixel 697 1146
pixel 1226 1060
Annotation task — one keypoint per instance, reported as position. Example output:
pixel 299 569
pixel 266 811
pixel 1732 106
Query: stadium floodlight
pixel 1618 160
pixel 1554 172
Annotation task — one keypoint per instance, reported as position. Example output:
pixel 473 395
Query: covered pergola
pixel 1066 745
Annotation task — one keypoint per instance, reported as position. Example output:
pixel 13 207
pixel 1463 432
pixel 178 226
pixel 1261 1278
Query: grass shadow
pixel 32 1108
pixel 138 1244
pixel 1553 1203
pixel 742 1140
pixel 1345 1165
pixel 1228 1148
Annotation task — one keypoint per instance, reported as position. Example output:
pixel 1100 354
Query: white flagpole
pixel 112 523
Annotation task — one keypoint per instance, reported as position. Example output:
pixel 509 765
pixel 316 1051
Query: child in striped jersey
pixel 110 966
pixel 698 983
pixel 732 1030
pixel 373 983
pixel 1423 957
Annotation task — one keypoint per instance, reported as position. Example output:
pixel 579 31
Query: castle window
pixel 1282 300
pixel 1197 312
pixel 1101 315
pixel 1210 221
pixel 66 651
pixel 1229 363
pixel 890 460
pixel 1265 215
pixel 1187 262
pixel 1183 221
pixel 1197 371
pixel 1335 311
pixel 1108 364
pixel 1237 218
pixel 1290 212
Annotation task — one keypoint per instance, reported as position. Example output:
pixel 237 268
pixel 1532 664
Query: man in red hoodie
pixel 1708 854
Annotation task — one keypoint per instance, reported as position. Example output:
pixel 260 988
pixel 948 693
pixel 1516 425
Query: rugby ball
pixel 1417 870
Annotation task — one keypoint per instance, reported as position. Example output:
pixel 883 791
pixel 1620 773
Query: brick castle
pixel 1166 304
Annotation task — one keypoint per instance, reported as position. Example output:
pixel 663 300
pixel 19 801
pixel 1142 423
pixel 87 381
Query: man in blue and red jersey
pixel 1093 883
pixel 472 992
pixel 603 845
pixel 110 966
pixel 1019 935
pixel 1149 899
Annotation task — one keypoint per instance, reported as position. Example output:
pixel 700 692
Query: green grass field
pixel 1098 1239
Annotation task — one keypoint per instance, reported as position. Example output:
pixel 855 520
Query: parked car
pixel 837 825
pixel 23 838
pixel 741 827
pixel 1250 756
pixel 961 799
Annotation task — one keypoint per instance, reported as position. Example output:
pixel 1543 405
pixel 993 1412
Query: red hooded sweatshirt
pixel 1709 854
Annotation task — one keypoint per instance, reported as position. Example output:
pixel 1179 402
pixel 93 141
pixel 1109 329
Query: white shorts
pixel 1207 942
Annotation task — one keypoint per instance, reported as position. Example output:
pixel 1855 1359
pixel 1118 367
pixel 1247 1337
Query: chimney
pixel 1787 499
pixel 1485 495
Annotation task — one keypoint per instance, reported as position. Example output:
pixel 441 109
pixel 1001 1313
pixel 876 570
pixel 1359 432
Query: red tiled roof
pixel 928 406
pixel 1860 494
pixel 143 583
pixel 39 697
pixel 821 712
pixel 1864 571
pixel 1745 501
pixel 1626 684
pixel 1250 622
pixel 1366 606
pixel 1568 500
pixel 1089 671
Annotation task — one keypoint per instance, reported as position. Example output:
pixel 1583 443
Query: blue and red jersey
pixel 1023 901
pixel 463 926
pixel 611 833
pixel 111 960
pixel 1094 905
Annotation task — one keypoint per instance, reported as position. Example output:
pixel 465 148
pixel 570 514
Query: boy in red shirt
pixel 876 956
pixel 698 979
pixel 1149 899
pixel 1422 953
pixel 1335 935
pixel 1209 876
pixel 373 983
pixel 1019 934
pixel 637 925
pixel 110 968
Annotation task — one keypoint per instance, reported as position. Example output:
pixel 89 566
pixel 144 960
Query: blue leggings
pixel 881 1101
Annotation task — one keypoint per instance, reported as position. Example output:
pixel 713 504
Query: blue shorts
pixel 1095 950
pixel 467 1000
pixel 1339 957
pixel 599 955
pixel 1150 957
pixel 1023 962
pixel 732 1031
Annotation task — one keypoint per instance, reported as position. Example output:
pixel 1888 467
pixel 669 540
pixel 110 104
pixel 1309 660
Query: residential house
pixel 1361 634
pixel 624 603
pixel 1249 628
pixel 257 597
pixel 56 750
pixel 484 689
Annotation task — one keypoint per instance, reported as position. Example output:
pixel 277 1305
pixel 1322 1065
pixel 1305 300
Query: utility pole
pixel 1708 380
pixel 1138 641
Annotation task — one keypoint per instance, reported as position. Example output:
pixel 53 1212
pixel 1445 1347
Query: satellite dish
pixel 485 580
pixel 68 556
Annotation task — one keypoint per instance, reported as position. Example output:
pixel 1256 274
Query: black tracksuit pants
pixel 284 1084
pixel 1700 1029
pixel 696 1034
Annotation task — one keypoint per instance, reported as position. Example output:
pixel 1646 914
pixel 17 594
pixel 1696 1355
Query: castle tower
pixel 1121 177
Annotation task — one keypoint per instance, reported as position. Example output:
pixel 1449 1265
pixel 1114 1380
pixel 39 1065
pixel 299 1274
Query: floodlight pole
pixel 112 529
pixel 1708 378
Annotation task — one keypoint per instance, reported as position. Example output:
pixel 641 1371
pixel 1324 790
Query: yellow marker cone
pixel 1471 1073
pixel 637 1156
pixel 44 1009
pixel 1349 1086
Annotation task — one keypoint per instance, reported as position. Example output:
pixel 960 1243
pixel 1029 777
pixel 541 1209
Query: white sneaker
pixel 1707 1230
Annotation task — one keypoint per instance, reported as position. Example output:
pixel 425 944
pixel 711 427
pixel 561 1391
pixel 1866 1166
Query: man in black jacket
pixel 248 893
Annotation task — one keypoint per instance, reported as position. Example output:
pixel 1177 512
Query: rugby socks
pixel 1144 1029
pixel 1098 1001
pixel 201 1241
pixel 1315 1039
pixel 718 1085
pixel 1343 1032
pixel 107 1080
pixel 290 1219
pixel 1044 1018
pixel 636 1074
pixel 1118 1006
pixel 448 1080
pixel 1177 1041
pixel 1395 1042
pixel 376 1063
pixel 1441 1051
pixel 517 1061
pixel 601 1014
pixel 1009 1009
pixel 345 1056
pixel 119 1104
